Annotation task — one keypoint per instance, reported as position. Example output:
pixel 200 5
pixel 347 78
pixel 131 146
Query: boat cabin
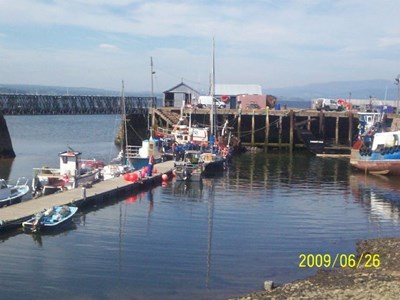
pixel 69 163
pixel 150 147
pixel 386 139
pixel 184 134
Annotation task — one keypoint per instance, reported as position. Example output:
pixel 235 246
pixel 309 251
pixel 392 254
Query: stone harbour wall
pixel 6 148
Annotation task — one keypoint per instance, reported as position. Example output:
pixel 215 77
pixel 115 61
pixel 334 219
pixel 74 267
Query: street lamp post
pixel 397 82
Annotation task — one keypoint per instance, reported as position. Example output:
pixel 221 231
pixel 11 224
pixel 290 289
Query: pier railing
pixel 132 151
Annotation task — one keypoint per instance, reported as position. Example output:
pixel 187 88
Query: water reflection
pixel 276 171
pixel 59 232
pixel 211 240
pixel 192 190
pixel 380 194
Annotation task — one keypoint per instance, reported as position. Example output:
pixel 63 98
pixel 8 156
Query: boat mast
pixel 212 90
pixel 125 141
pixel 152 72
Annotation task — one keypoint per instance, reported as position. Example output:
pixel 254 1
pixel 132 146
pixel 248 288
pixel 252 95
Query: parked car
pixel 206 101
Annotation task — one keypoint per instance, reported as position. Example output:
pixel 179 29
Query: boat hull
pixel 213 167
pixel 10 194
pixel 43 223
pixel 138 163
pixel 376 163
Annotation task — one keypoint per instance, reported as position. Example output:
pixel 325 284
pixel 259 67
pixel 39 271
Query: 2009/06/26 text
pixel 366 260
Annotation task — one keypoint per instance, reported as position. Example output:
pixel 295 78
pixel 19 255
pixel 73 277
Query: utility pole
pixel 152 82
pixel 397 82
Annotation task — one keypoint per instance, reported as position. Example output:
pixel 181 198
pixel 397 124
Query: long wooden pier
pixel 270 128
pixel 11 217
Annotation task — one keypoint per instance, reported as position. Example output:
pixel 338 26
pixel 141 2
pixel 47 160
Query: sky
pixel 99 43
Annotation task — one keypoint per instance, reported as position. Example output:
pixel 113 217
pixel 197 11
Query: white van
pixel 206 101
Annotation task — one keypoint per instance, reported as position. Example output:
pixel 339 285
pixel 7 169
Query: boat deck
pixel 12 216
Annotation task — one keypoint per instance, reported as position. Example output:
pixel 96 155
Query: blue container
pixel 278 106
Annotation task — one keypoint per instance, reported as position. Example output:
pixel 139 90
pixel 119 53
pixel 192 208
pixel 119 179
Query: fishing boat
pixel 50 219
pixel 381 156
pixel 196 164
pixel 72 173
pixel 11 194
pixel 190 167
pixel 138 156
pixel 377 150
pixel 213 163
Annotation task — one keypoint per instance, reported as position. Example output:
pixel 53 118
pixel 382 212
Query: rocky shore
pixel 364 282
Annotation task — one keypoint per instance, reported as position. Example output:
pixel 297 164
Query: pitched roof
pixel 181 87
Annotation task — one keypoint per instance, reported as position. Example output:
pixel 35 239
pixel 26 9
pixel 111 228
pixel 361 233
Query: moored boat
pixel 190 167
pixel 72 173
pixel 382 156
pixel 377 150
pixel 50 219
pixel 11 194
pixel 196 164
pixel 138 157
pixel 212 163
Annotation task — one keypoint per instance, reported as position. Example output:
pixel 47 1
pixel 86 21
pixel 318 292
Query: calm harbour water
pixel 212 241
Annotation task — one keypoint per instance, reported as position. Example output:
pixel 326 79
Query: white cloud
pixel 263 42
pixel 108 47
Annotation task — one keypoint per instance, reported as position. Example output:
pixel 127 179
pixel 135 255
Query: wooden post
pixel 321 124
pixel 239 123
pixel 266 128
pixel 309 123
pixel 350 118
pixel 280 132
pixel 337 131
pixel 252 128
pixel 291 130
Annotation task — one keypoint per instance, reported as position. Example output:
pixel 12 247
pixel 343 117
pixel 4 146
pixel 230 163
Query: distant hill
pixel 380 89
pixel 62 90
pixel 53 90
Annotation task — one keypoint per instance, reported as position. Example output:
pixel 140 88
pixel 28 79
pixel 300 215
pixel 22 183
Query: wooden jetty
pixel 12 216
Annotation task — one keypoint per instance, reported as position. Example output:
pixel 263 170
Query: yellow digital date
pixel 365 260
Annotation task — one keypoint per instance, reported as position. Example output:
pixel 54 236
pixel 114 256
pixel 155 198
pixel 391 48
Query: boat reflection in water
pixel 61 232
pixel 380 193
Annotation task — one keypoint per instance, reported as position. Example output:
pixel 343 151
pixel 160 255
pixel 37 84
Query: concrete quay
pixel 11 217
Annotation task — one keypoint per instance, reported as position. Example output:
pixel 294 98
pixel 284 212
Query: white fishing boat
pixel 11 194
pixel 73 172
pixel 138 156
